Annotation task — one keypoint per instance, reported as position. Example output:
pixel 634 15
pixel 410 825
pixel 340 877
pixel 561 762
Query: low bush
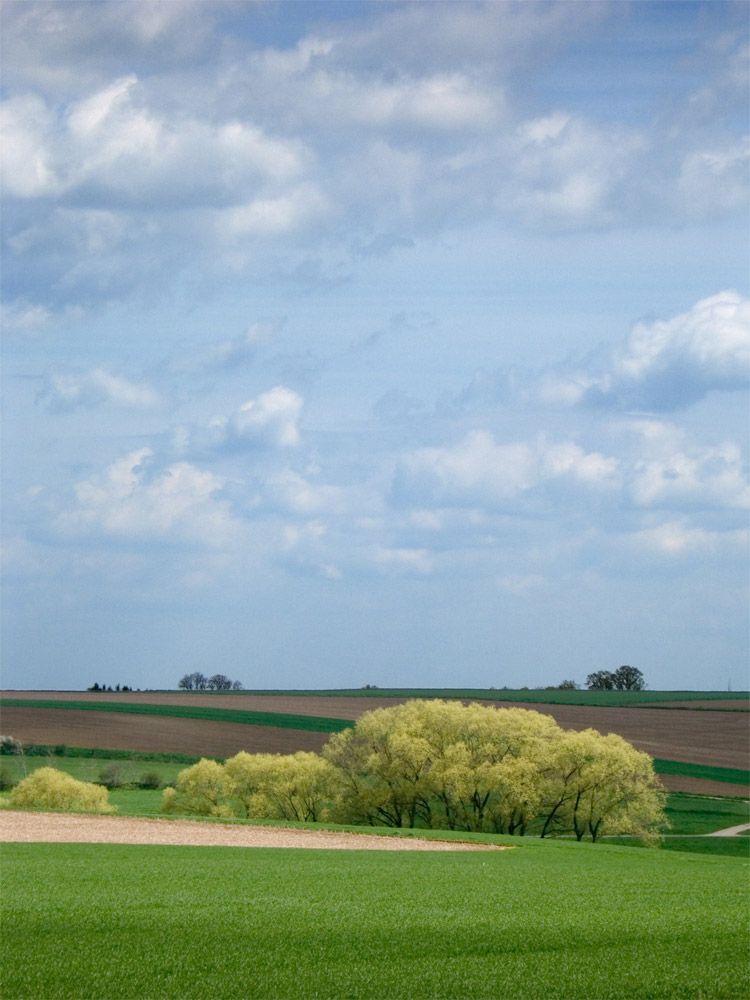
pixel 49 788
pixel 149 779
pixel 6 778
pixel 111 776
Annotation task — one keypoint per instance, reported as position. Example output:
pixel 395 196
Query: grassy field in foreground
pixel 558 920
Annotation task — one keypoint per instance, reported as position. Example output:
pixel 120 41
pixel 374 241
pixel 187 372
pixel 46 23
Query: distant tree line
pixel 199 682
pixel 103 687
pixel 623 679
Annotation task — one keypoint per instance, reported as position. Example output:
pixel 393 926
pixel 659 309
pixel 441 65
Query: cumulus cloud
pixel 346 136
pixel 269 421
pixel 479 471
pixel 132 501
pixel 112 147
pixel 63 392
pixel 674 472
pixel 669 364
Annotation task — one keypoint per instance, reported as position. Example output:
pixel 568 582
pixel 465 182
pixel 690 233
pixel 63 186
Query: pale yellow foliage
pixel 438 763
pixel 601 785
pixel 280 786
pixel 199 789
pixel 49 788
pixel 443 764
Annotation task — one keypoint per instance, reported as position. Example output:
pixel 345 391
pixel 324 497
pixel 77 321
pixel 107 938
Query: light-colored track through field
pixel 31 827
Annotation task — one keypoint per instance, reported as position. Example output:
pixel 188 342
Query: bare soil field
pixel 114 731
pixel 59 828
pixel 702 737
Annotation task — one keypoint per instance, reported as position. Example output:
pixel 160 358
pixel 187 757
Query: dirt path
pixel 29 827
pixel 730 831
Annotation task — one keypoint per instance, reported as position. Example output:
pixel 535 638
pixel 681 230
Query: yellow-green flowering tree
pixel 199 789
pixel 49 788
pixel 597 785
pixel 442 764
pixel 280 786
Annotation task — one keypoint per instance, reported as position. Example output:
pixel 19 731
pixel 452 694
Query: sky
pixel 386 343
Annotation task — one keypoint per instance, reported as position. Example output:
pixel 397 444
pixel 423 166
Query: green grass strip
pixel 603 699
pixel 104 753
pixel 731 775
pixel 277 720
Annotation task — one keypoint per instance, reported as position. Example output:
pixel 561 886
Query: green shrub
pixel 49 788
pixel 111 776
pixel 150 779
pixel 6 778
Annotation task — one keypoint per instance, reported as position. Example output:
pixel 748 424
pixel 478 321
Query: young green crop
pixel 554 696
pixel 279 720
pixel 562 921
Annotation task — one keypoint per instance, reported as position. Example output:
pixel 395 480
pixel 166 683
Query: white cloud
pixel 272 418
pixel 127 502
pixel 673 472
pixel 713 180
pixel 295 493
pixel 679 538
pixel 65 391
pixel 667 364
pixel 479 471
pixel 275 216
pixel 114 145
pixel 27 168
pixel 23 317
pixel 269 421
pixel 567 171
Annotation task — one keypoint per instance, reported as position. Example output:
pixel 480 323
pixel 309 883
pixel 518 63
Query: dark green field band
pixel 730 775
pixel 276 720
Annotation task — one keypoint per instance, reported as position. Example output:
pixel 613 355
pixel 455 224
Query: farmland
pixel 701 736
pixel 553 919
pixel 558 920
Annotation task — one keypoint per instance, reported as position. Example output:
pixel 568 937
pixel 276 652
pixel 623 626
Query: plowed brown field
pixel 698 736
pixel 114 731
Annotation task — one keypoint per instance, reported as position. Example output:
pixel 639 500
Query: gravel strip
pixel 70 828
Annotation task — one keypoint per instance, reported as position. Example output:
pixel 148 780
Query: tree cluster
pixel 623 679
pixel 103 687
pixel 443 765
pixel 199 682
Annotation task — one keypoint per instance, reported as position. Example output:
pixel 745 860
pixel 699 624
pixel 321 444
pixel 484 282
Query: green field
pixel 615 699
pixel 551 920
pixel 708 772
pixel 279 720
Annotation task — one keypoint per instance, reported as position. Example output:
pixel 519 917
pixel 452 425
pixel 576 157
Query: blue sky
pixel 375 343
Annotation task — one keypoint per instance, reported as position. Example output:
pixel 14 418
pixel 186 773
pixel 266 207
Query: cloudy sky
pixel 389 343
